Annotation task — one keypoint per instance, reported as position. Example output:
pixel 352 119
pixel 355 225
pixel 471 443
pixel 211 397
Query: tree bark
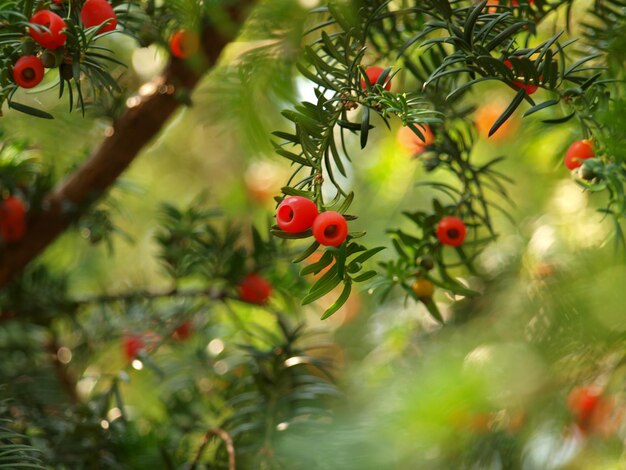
pixel 141 122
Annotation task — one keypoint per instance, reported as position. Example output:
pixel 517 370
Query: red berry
pixel 373 73
pixel 58 2
pixel 330 228
pixel 254 289
pixel 296 214
pixel 451 231
pixel 52 37
pixel 530 89
pixel 97 12
pixel 12 219
pixel 28 71
pixel 132 345
pixel 183 331
pixel 582 402
pixel 184 43
pixel 577 152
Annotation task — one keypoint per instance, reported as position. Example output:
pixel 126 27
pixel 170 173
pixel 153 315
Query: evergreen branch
pixel 211 293
pixel 129 135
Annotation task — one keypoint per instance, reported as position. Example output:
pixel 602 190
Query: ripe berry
pixel 451 231
pixel 254 289
pixel 296 214
pixel 184 43
pixel 373 73
pixel 28 71
pixel 423 288
pixel 330 228
pixel 183 331
pixel 530 89
pixel 133 344
pixel 411 142
pixel 582 402
pixel 487 114
pixel 12 219
pixel 577 152
pixel 97 12
pixel 52 37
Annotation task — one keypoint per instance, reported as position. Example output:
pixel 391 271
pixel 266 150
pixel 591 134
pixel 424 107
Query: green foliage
pixel 487 390
pixel 449 49
pixel 16 451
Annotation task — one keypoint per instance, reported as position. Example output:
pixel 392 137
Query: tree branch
pixel 228 441
pixel 144 118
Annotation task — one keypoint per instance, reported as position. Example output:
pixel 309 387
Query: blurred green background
pixel 491 389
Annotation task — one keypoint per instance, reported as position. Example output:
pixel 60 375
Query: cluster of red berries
pixel 49 33
pixel 12 219
pixel 133 344
pixel 296 214
pixel 450 231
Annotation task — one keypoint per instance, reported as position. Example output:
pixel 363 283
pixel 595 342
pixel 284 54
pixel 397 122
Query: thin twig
pixel 211 294
pixel 228 441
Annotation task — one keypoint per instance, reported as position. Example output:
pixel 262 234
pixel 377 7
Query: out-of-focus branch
pixel 228 441
pixel 145 116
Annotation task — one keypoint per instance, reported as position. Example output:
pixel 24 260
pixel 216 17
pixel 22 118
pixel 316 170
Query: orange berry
pixel 423 288
pixel 486 115
pixel 411 142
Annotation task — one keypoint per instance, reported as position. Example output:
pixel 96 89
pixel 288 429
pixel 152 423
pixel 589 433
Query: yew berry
pixel 487 114
pixel 97 12
pixel 296 214
pixel 183 331
pixel 530 88
pixel 184 43
pixel 133 344
pixel 423 288
pixel 373 74
pixel 330 228
pixel 411 142
pixel 577 152
pixel 583 402
pixel 254 289
pixel 28 71
pixel 52 36
pixel 451 231
pixel 12 219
